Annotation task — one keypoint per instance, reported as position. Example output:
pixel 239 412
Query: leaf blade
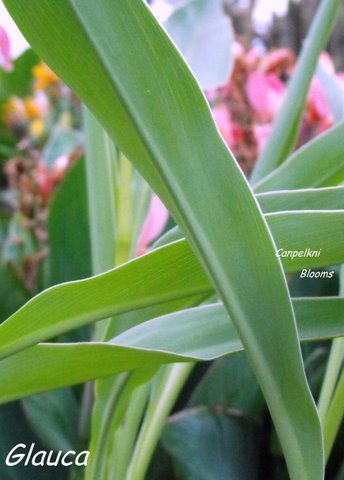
pixel 48 366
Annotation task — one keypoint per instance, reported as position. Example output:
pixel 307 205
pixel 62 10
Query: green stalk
pixel 331 404
pixel 125 215
pixel 334 417
pixel 101 192
pixel 333 369
pixel 168 387
pixel 119 386
pixel 100 160
pixel 126 436
pixel 283 137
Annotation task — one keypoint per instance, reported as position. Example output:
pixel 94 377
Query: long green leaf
pixel 320 163
pixel 318 231
pixel 331 198
pixel 67 306
pixel 183 336
pixel 153 108
pixel 311 234
pixel 285 129
pixel 143 282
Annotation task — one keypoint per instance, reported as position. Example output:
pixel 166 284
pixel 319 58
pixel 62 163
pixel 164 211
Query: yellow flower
pixel 36 127
pixel 32 110
pixel 44 77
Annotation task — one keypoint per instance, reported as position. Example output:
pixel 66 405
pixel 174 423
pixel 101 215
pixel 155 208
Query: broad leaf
pixel 234 453
pixel 53 416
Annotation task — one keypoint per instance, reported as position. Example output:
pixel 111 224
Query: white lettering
pixel 80 463
pixel 18 456
pixel 42 457
pixel 63 461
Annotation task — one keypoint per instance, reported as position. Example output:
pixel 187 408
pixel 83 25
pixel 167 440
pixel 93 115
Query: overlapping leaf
pixel 153 108
pixel 197 334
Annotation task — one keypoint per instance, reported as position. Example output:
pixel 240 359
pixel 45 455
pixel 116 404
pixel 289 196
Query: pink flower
pixel 317 104
pixel 265 93
pixel 154 224
pixel 261 133
pixel 223 121
pixel 5 48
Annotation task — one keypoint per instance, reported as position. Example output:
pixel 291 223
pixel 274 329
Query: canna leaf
pixel 298 231
pixel 319 163
pixel 153 108
pixel 330 198
pixel 75 304
pixel 283 137
pixel 143 282
pixel 198 334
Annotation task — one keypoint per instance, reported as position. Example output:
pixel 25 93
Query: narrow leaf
pixel 78 303
pixel 331 198
pixel 169 339
pixel 320 163
pixel 285 129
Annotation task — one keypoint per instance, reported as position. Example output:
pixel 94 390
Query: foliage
pixel 89 201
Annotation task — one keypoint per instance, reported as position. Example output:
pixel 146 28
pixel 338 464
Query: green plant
pixel 123 66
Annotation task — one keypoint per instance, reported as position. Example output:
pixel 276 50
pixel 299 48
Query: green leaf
pixel 68 229
pixel 14 430
pixel 317 318
pixel 316 230
pixel 12 293
pixel 234 453
pixel 229 382
pixel 19 81
pixel 101 159
pixel 160 120
pixel 331 198
pixel 319 163
pixel 283 137
pixel 298 231
pixel 204 35
pixel 106 390
pixel 71 305
pixel 183 336
pixel 53 416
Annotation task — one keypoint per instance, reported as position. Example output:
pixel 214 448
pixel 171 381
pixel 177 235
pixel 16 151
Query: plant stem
pixel 125 437
pixel 334 417
pixel 168 387
pixel 331 404
pixel 332 371
pixel 125 215
pixel 99 459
